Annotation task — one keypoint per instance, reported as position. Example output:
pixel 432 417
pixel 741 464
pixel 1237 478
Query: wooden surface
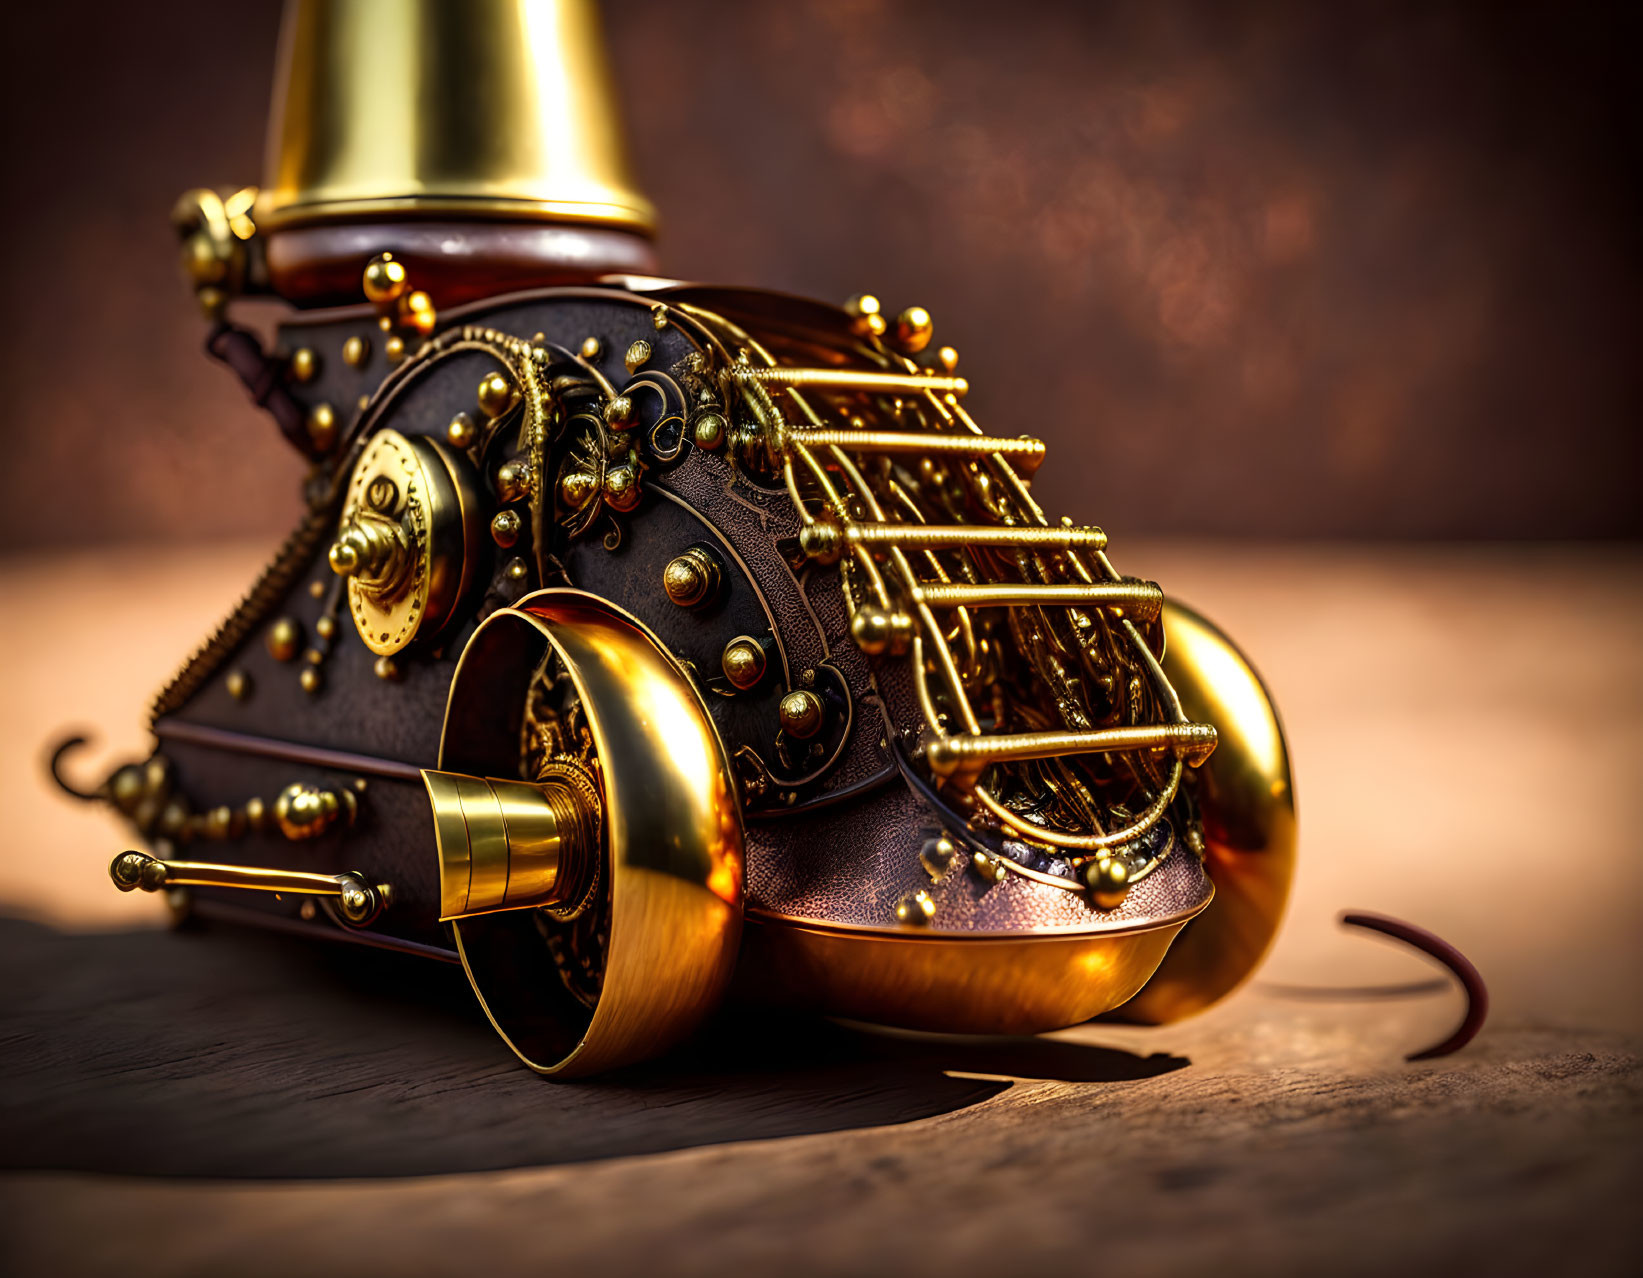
pixel 1466 723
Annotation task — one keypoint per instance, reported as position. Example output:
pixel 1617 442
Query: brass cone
pixel 490 108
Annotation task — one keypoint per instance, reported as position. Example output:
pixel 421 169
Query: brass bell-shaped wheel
pixel 589 836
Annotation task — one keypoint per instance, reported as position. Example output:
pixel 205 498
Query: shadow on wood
pixel 237 1054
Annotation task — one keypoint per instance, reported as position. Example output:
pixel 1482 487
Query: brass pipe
pixel 358 900
pixel 1029 451
pixel 951 536
pixel 851 379
pixel 1190 742
pixel 1145 598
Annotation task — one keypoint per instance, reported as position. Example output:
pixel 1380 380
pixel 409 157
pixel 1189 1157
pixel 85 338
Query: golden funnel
pixel 490 108
pixel 478 141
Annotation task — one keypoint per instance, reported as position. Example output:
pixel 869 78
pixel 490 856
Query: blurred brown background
pixel 1269 269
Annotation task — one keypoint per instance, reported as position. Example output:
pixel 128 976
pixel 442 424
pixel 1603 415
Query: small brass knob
pixel 372 550
pixel 802 714
pixel 694 579
pixel 307 811
pixel 743 662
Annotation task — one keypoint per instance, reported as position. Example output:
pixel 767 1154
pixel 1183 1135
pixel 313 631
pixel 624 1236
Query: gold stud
pixel 937 856
pixel 326 627
pixel 239 684
pixel 710 431
pixel 823 542
pixel 637 356
pixel 304 366
pixel 284 639
pixel 384 279
pixel 362 403
pixel 915 909
pixel 308 911
pixel 518 571
pixel 743 662
pixel 576 489
pixel 256 813
pixel 867 313
pixel 513 480
pixel 801 714
pixel 505 528
pixel 126 787
pixel 417 310
pixel 385 324
pixel 174 820
pixel 316 589
pixel 877 630
pixel 322 427
pixel 619 412
pixel 386 669
pixel 495 395
pixel 592 348
pixel 306 811
pixel 220 822
pixel 622 488
pixel 1108 879
pixel 462 432
pixel 355 351
pixel 311 680
pixel 394 349
pixel 948 358
pixel 694 578
pixel 914 328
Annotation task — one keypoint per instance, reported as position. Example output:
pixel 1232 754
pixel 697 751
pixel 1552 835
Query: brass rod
pixel 359 901
pixel 1191 742
pixel 1029 451
pixel 1142 596
pixel 852 379
pixel 940 536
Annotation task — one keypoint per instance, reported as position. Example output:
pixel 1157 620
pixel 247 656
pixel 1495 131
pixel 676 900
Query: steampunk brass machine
pixel 640 639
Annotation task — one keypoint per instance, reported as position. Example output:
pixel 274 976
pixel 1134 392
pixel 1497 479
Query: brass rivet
pixel 743 662
pixel 417 310
pixel 513 480
pixel 386 669
pixel 394 349
pixel 505 528
pixel 355 351
pixel 915 909
pixel 693 579
pixel 710 431
pixel 219 823
pixel 576 489
pixel 867 313
pixel 304 365
pixel 384 279
pixel 822 542
pixel 126 787
pixel 1108 879
pixel 592 348
pixel 322 427
pixel 284 639
pixel 948 358
pixel 517 571
pixel 876 630
pixel 801 714
pixel 308 910
pixel 255 813
pixel 316 589
pixel 326 627
pixel 462 432
pixel 637 356
pixel 619 412
pixel 311 680
pixel 239 684
pixel 914 328
pixel 495 395
pixel 621 488
pixel 937 856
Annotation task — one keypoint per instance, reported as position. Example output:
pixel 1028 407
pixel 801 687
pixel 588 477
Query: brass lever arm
pixel 359 901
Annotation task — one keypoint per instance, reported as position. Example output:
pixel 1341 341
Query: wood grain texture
pixel 216 1102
